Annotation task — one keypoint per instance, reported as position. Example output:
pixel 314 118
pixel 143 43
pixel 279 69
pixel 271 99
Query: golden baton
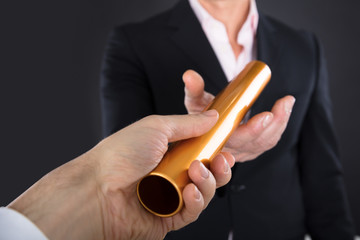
pixel 160 192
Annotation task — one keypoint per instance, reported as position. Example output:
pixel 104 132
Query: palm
pixel 134 222
pixel 259 134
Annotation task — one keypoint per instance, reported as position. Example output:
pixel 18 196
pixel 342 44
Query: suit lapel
pixel 268 44
pixel 190 37
pixel 269 51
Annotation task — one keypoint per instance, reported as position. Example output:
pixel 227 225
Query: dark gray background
pixel 50 57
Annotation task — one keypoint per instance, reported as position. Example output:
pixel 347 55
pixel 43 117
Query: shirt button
pixel 237 188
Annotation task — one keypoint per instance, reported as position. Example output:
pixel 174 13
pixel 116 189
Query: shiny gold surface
pixel 160 192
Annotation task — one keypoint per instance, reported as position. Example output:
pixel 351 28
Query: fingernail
pixel 211 113
pixel 197 194
pixel 226 167
pixel 289 106
pixel 267 120
pixel 204 171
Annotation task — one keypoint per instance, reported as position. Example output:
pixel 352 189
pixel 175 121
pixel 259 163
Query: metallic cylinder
pixel 160 192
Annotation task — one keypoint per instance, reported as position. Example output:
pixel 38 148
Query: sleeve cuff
pixel 14 226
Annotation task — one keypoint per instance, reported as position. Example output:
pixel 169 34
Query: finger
pixel 274 129
pixel 203 179
pixel 193 203
pixel 179 127
pixel 194 84
pixel 196 98
pixel 281 110
pixel 262 132
pixel 265 125
pixel 220 167
pixel 250 131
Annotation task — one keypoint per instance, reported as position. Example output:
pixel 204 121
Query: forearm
pixel 73 211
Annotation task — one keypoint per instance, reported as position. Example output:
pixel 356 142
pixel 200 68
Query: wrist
pixel 116 189
pixel 64 203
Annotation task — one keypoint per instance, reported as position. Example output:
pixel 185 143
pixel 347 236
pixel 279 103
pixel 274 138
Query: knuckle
pixel 270 142
pixel 281 122
pixel 152 119
pixel 260 144
pixel 253 132
pixel 265 143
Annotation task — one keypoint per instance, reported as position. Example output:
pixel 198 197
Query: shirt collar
pixel 250 24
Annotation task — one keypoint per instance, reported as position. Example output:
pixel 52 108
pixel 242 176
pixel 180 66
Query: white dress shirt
pixel 215 32
pixel 15 226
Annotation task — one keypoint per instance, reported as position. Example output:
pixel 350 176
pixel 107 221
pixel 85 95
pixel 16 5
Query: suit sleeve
pixel 326 207
pixel 125 92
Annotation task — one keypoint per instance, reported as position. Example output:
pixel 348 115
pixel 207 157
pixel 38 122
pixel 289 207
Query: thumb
pixel 194 85
pixel 178 127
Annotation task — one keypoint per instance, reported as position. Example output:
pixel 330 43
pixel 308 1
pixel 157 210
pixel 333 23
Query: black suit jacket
pixel 293 189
